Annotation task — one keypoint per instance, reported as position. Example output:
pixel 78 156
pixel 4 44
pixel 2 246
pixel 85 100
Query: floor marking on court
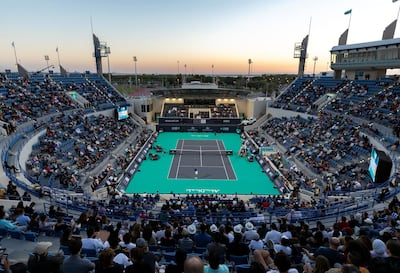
pixel 223 163
pixel 201 158
pixel 194 166
pixel 179 161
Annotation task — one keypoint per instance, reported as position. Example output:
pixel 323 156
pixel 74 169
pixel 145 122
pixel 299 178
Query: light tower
pixel 315 59
pixel 47 59
pixel 136 80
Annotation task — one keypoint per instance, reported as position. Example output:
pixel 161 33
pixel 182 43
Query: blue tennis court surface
pixel 218 172
pixel 201 159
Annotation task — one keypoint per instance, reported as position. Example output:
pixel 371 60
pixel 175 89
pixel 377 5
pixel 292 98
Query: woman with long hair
pixel 105 264
pixel 214 265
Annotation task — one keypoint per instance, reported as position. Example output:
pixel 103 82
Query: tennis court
pixel 220 170
pixel 201 159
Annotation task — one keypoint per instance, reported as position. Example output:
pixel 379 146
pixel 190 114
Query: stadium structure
pixel 330 143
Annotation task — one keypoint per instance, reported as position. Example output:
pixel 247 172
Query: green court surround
pixel 152 176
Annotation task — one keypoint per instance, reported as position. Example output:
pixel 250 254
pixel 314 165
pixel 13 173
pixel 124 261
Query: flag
pixel 349 11
pixel 56 49
pixel 13 45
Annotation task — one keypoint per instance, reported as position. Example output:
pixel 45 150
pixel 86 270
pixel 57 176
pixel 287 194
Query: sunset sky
pixel 165 35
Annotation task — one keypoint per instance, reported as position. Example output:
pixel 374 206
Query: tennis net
pixel 200 152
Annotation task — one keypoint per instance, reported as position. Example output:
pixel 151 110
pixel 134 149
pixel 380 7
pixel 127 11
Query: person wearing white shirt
pixel 250 233
pixel 126 242
pixel 256 244
pixel 122 259
pixel 284 246
pixel 274 235
pixel 91 242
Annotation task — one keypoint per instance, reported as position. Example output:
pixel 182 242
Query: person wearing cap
pixel 378 249
pixel 40 262
pixel 186 242
pixel 192 229
pixel 250 233
pixel 283 246
pixel 387 264
pixel 213 228
pixel 74 263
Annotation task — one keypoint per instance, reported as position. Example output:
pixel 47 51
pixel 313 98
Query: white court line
pixel 194 166
pixel 223 163
pixel 179 161
pixel 201 158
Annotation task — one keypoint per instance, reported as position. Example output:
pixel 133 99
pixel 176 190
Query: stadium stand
pixel 78 149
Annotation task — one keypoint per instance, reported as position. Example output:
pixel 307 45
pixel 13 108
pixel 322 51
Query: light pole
pixel 136 80
pixel 184 81
pixel 178 66
pixel 46 58
pixel 250 62
pixel 212 73
pixel 248 75
pixel 107 52
pixel 315 59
